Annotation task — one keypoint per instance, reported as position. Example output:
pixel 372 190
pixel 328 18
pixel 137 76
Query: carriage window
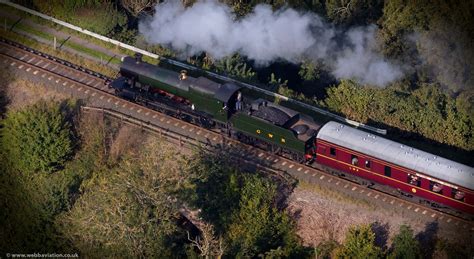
pixel 458 195
pixel 436 187
pixel 354 160
pixel 332 151
pixel 367 163
pixel 414 180
pixel 388 171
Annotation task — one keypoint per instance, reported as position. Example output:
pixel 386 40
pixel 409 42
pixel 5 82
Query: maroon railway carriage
pixel 391 163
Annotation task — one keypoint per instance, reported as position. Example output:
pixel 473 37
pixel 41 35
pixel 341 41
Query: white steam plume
pixel 266 36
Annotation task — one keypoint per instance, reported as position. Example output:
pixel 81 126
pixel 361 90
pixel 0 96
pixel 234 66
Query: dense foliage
pixel 37 138
pixel 100 16
pixel 359 243
pixel 124 202
pixel 34 194
pixel 259 227
pixel 126 211
pixel 405 245
pixel 244 210
pixel 425 111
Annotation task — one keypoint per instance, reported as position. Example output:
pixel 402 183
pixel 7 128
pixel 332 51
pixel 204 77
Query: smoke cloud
pixel 266 36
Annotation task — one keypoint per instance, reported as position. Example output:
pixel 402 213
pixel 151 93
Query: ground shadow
pixel 381 232
pixel 6 78
pixel 428 239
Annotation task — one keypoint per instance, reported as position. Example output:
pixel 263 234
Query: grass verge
pixel 77 47
pixel 95 41
pixel 73 58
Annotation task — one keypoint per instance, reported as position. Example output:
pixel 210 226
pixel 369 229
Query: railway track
pixel 86 84
pixel 59 68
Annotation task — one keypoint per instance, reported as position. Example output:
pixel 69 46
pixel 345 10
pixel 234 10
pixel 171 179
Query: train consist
pixel 289 133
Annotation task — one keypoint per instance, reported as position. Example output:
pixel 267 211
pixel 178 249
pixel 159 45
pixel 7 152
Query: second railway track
pixel 54 66
pixel 94 85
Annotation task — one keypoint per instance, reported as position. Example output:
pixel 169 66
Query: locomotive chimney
pixel 183 75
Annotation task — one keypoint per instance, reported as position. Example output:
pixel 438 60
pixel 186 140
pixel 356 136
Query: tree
pixel 237 67
pixel 359 243
pixel 452 250
pixel 274 84
pixel 37 138
pixel 350 99
pixel 207 243
pixel 130 211
pixel 99 16
pixel 353 12
pixel 326 248
pixel 309 71
pixel 259 227
pixel 426 111
pixel 242 208
pixel 433 36
pixel 215 188
pixel 405 245
pixel 32 199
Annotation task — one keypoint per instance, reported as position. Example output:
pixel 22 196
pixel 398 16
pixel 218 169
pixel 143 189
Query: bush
pixel 37 138
pixel 359 243
pixel 405 244
pixel 101 17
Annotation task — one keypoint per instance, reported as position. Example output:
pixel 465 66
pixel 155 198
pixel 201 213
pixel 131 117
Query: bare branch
pixel 208 244
pixel 135 7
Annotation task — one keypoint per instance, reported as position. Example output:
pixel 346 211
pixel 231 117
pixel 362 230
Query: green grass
pixel 91 52
pixel 76 59
pixel 23 27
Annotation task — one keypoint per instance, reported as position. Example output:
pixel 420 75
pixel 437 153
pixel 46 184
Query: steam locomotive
pixel 289 133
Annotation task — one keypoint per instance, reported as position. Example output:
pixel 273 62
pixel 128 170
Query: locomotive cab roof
pixel 225 91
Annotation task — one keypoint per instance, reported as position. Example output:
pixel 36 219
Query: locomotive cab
pixel 231 98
